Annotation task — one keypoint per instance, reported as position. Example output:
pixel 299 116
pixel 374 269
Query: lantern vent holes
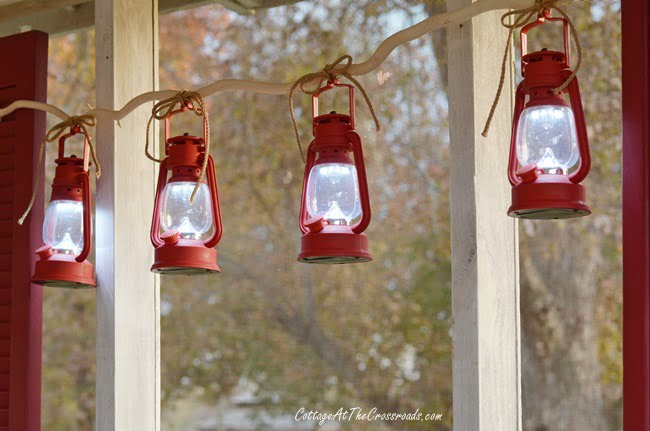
pixel 324 151
pixel 65 190
pixel 184 171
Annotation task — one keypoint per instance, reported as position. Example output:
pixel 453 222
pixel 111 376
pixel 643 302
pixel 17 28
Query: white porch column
pixel 485 275
pixel 128 293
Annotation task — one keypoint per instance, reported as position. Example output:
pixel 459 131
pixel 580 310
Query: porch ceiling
pixel 58 16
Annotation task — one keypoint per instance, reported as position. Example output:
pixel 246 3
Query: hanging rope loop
pixel 331 73
pixel 187 100
pixel 77 124
pixel 523 17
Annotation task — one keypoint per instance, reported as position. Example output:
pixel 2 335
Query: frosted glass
pixel 63 226
pixel 333 192
pixel 547 137
pixel 191 220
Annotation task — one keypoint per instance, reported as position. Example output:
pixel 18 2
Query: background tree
pixel 571 270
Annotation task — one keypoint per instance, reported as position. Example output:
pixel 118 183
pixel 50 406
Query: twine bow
pixel 522 18
pixel 165 108
pixel 81 122
pixel 328 73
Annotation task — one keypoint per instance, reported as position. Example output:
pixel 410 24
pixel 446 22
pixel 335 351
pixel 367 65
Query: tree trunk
pixel 560 365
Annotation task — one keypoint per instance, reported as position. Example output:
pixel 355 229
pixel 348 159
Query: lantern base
pixel 186 257
pixel 62 270
pixel 334 245
pixel 549 197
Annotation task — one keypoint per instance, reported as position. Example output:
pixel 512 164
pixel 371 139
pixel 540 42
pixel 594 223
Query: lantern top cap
pixel 545 55
pixel 545 63
pixel 332 118
pixel 70 160
pixel 73 160
pixel 182 139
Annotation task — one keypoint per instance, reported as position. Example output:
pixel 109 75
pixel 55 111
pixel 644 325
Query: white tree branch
pixel 376 59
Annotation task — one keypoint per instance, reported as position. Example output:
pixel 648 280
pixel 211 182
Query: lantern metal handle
pixel 309 163
pixel 217 227
pixel 542 18
pixel 362 224
pixel 184 106
pixel 74 130
pixel 581 128
pixel 87 221
pixel 513 163
pixel 155 220
pixel 331 84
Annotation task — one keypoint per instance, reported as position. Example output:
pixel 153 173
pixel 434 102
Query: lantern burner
pixel 62 270
pixel 547 196
pixel 326 243
pixel 181 256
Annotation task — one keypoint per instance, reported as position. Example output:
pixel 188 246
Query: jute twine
pixel 164 108
pixel 328 73
pixel 81 122
pixel 521 18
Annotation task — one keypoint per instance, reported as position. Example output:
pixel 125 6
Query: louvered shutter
pixel 23 75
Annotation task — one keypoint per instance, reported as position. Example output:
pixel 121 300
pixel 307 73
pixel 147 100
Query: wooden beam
pixel 128 361
pixel 52 21
pixel 77 14
pixel 13 10
pixel 485 268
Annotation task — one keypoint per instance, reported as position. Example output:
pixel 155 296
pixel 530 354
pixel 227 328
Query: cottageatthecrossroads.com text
pixel 358 414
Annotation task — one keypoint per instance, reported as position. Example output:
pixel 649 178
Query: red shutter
pixel 636 215
pixel 23 75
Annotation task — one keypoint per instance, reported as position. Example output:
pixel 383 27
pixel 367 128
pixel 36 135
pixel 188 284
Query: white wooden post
pixel 128 293
pixel 485 277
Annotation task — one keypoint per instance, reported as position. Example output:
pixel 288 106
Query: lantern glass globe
pixel 547 137
pixel 333 193
pixel 63 226
pixel 190 220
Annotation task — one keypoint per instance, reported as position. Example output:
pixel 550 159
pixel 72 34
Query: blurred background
pixel 245 349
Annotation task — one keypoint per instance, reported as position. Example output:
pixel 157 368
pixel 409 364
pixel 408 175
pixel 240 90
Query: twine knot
pixel 78 123
pixel 330 73
pixel 523 17
pixel 186 99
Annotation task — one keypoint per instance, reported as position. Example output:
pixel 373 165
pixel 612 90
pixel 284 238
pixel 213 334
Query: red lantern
pixel 67 227
pixel 181 248
pixel 549 150
pixel 335 207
